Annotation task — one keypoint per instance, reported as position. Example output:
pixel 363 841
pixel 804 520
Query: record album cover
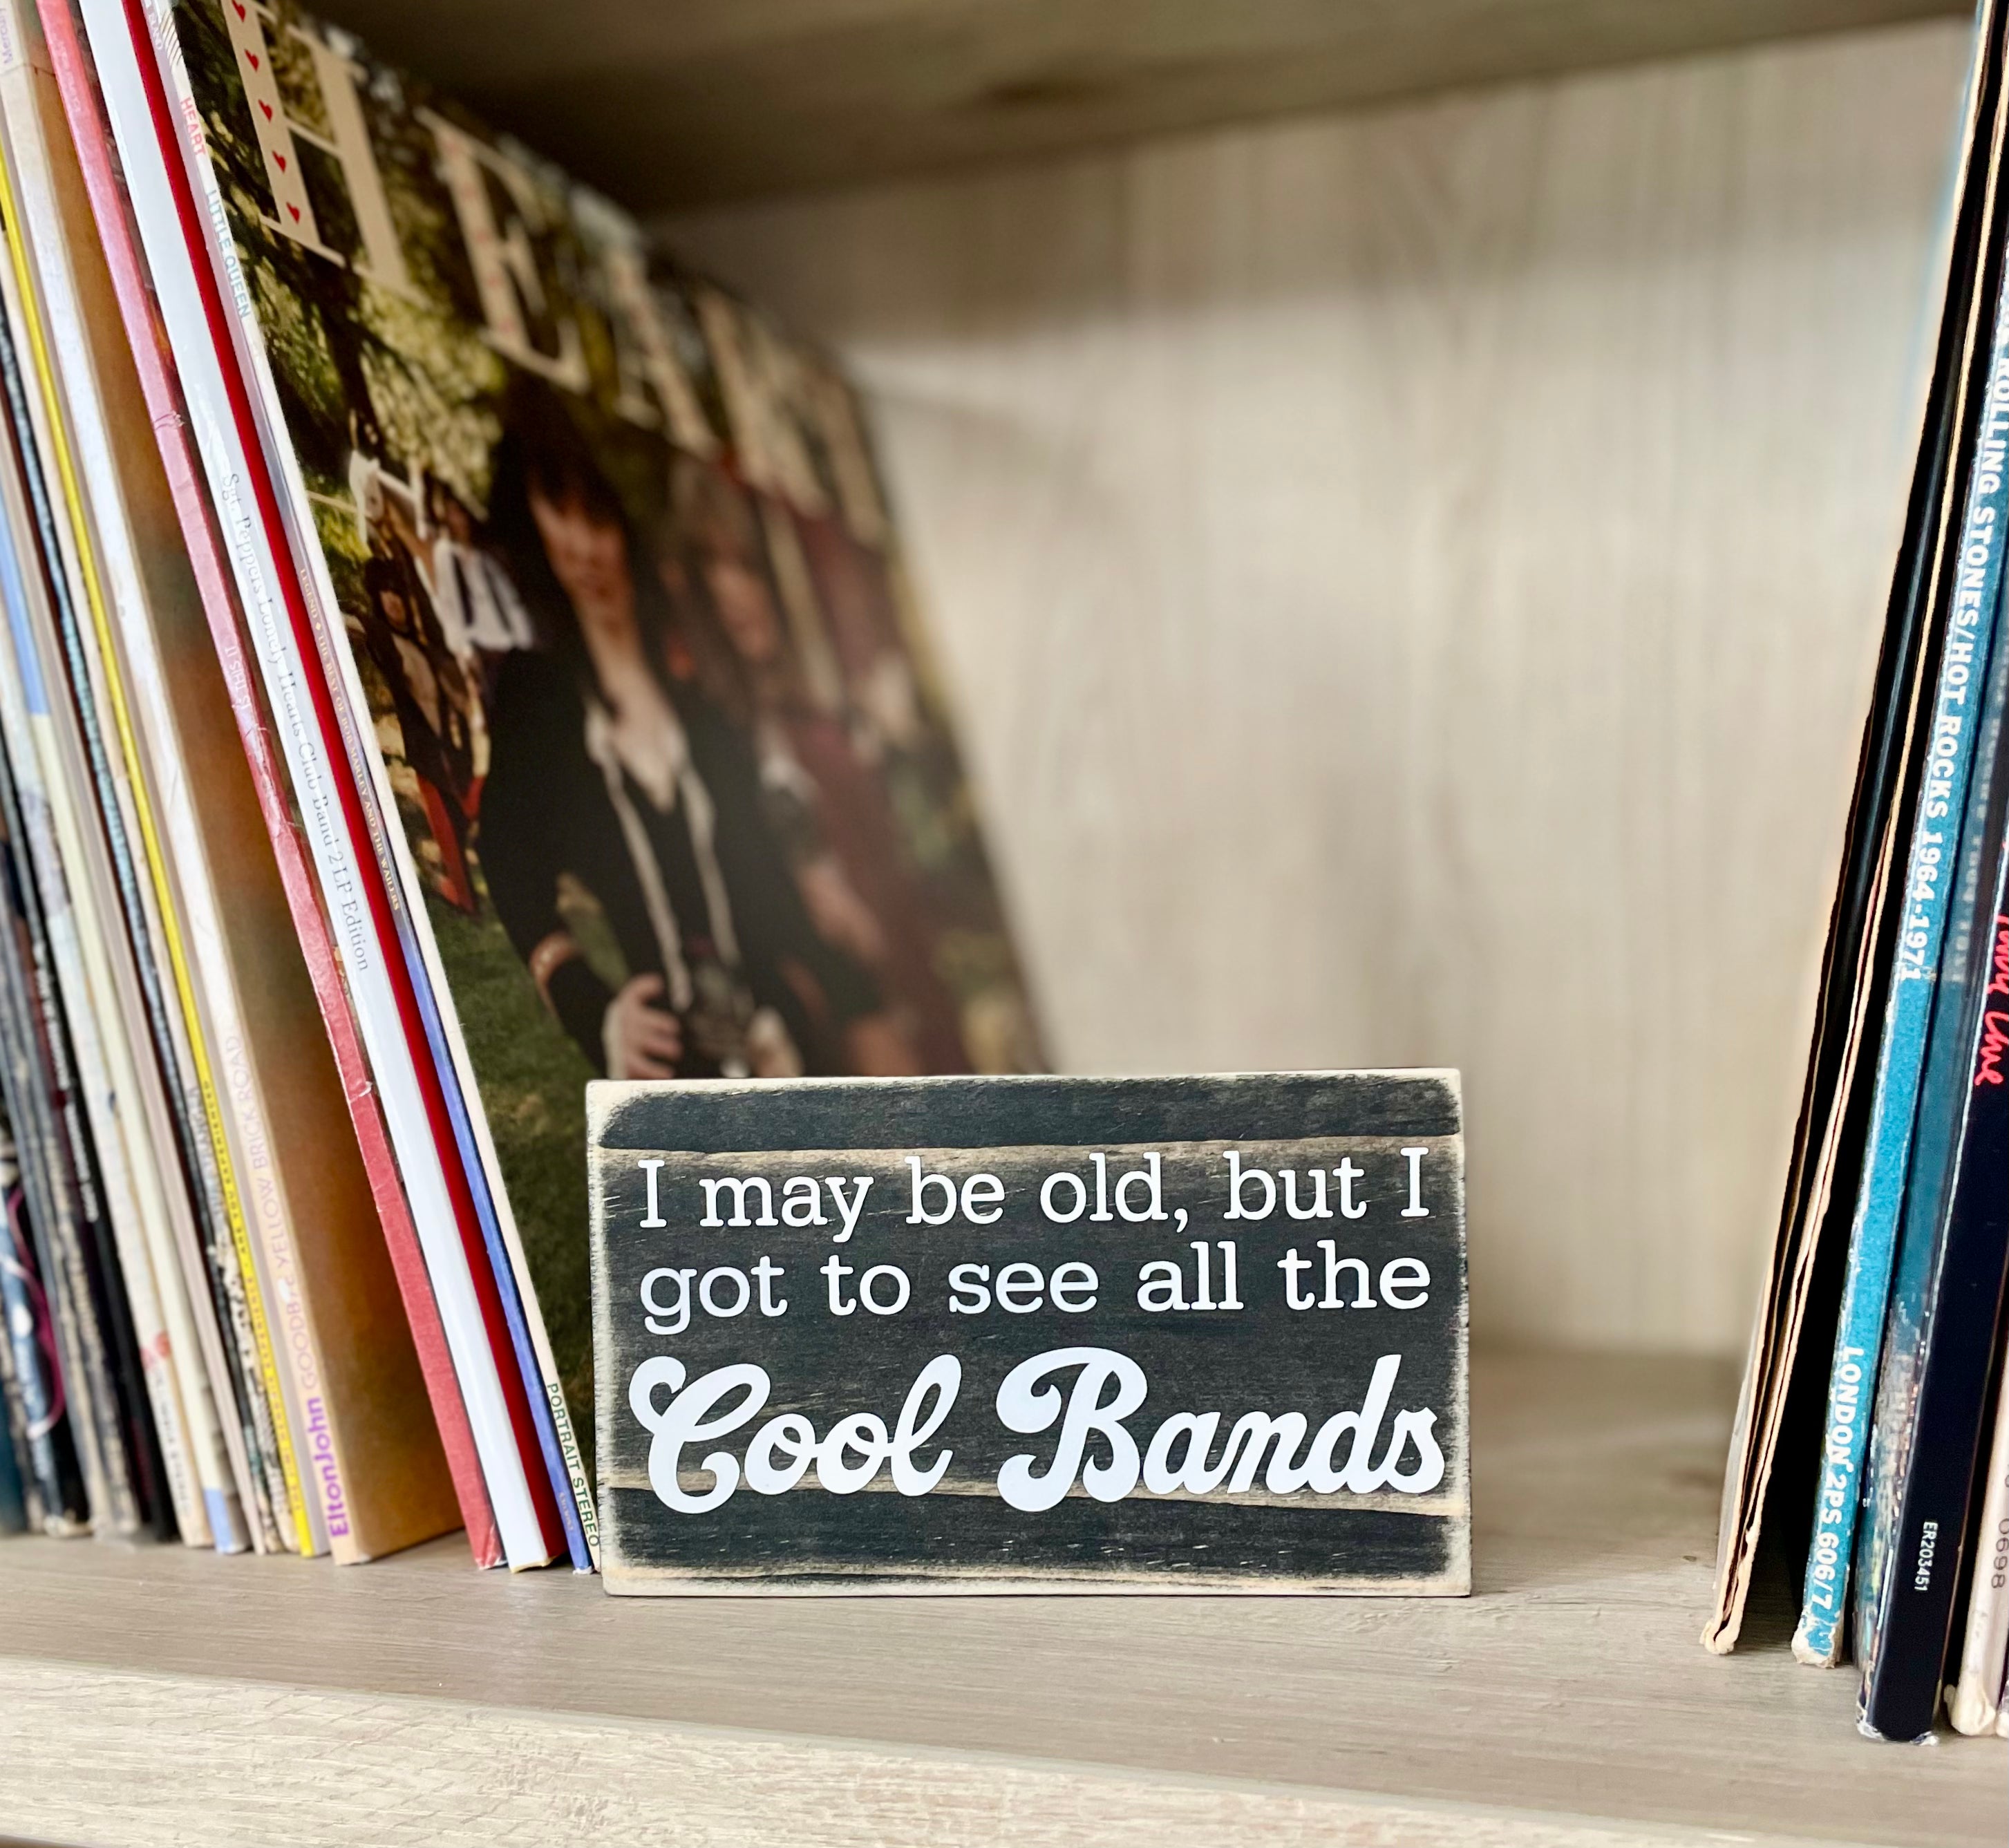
pixel 676 790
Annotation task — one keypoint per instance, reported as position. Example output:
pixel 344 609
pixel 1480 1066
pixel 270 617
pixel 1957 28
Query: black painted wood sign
pixel 1041 1334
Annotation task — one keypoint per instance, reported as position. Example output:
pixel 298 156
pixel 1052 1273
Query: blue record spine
pixel 1972 621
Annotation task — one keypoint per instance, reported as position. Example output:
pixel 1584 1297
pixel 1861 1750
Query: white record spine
pixel 1976 1702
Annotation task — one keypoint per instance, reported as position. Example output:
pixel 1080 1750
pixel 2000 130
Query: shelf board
pixel 669 106
pixel 174 1695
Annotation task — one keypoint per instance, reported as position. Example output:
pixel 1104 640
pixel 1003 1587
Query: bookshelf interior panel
pixel 1408 577
pixel 1411 582
pixel 669 105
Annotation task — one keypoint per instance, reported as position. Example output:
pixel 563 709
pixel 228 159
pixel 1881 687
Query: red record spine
pixel 87 127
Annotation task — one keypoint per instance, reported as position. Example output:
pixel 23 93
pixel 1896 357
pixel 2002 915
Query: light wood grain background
pixel 1410 581
pixel 175 1697
pixel 684 103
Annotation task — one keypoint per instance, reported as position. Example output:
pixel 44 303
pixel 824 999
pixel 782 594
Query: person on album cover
pixel 432 700
pixel 481 613
pixel 824 804
pixel 856 601
pixel 609 773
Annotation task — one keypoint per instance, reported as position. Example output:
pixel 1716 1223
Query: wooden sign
pixel 1039 1334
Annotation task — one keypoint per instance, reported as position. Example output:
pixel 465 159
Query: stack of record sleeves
pixel 1870 1463
pixel 451 652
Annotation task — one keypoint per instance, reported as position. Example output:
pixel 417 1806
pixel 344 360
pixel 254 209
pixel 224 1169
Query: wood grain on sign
pixel 1409 581
pixel 1061 1334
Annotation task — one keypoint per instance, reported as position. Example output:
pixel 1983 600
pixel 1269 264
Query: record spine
pixel 77 776
pixel 1976 1698
pixel 32 1152
pixel 19 1475
pixel 79 957
pixel 109 205
pixel 135 1490
pixel 1948 743
pixel 37 1377
pixel 1936 1270
pixel 1934 1430
pixel 44 1073
pixel 51 1201
pixel 13 1497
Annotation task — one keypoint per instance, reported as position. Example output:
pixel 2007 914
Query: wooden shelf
pixel 159 1695
pixel 670 106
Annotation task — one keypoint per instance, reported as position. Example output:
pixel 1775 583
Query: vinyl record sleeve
pixel 1950 835
pixel 1946 1298
pixel 1780 1407
pixel 117 590
pixel 13 1502
pixel 1974 1701
pixel 388 1507
pixel 190 1446
pixel 49 1204
pixel 350 1378
pixel 35 1376
pixel 162 1155
pixel 128 1490
pixel 762 847
pixel 307 726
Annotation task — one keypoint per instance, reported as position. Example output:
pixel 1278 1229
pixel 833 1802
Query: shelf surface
pixel 694 102
pixel 158 1695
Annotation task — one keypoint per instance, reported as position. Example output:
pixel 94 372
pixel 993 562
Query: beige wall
pixel 1410 581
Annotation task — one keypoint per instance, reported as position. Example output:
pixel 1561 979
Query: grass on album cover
pixel 533 1083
